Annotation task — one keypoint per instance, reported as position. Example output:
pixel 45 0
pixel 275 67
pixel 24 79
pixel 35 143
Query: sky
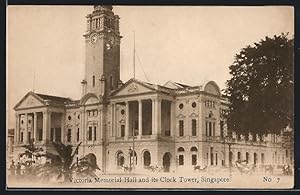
pixel 186 44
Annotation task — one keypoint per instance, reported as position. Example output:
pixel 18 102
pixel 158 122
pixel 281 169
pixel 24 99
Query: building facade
pixel 173 126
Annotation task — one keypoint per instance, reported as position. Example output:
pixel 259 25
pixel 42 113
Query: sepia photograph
pixel 149 97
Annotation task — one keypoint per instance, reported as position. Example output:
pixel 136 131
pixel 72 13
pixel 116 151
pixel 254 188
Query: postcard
pixel 150 97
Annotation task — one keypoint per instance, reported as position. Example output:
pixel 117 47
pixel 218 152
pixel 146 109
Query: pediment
pixel 89 98
pixel 29 101
pixel 180 116
pixel 133 87
pixel 194 115
pixel 92 100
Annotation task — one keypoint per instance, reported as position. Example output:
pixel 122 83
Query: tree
pixel 260 90
pixel 63 166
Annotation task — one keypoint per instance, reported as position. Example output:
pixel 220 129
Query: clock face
pixel 94 38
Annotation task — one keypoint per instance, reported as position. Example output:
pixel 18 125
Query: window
pixel 209 128
pixel 120 159
pixel 21 137
pixel 69 117
pixel 29 136
pixel 90 133
pixel 122 111
pixel 52 134
pixel 194 104
pixel 180 106
pixel 78 116
pixel 255 158
pixel 211 156
pixel 194 127
pixel 181 128
pixel 58 134
pixel 222 128
pixel 77 135
pixel 181 160
pixel 93 81
pixel 181 149
pixel 40 134
pixel 69 134
pixel 206 128
pixel 111 83
pixel 122 130
pixel 147 158
pixel 213 129
pixel 95 133
pixel 194 159
pixel 29 121
pixel 239 155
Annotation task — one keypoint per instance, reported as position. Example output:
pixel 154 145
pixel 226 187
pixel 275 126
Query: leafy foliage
pixel 59 165
pixel 260 90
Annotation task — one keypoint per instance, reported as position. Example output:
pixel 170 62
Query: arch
pixel 180 149
pixel 212 88
pixel 239 156
pixel 255 158
pixel 230 157
pixel 146 158
pixel 193 149
pixel 89 96
pixel 167 161
pixel 247 157
pixel 120 158
pixel 92 159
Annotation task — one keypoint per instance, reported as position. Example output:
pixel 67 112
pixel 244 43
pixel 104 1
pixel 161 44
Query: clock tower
pixel 102 51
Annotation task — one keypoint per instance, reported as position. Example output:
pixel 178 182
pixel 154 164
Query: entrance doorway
pixel 167 161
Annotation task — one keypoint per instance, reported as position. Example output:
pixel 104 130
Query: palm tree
pixel 63 166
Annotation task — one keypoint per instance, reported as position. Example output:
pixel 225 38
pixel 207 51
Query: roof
pixel 54 100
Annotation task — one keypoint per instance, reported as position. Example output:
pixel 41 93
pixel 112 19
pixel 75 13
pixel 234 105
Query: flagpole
pixel 133 54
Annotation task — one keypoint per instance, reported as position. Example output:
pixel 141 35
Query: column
pixel 26 129
pixel 85 129
pixel 127 119
pixel 46 125
pixel 173 120
pixel 140 117
pixel 115 120
pixel 17 130
pixel 99 135
pixel 81 125
pixel 158 115
pixel 62 128
pixel 45 117
pixel 112 121
pixel 35 127
pixel 154 129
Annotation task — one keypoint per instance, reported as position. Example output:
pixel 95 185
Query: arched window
pixel 193 149
pixel 230 157
pixel 255 158
pixel 147 158
pixel 120 159
pixel 262 158
pixel 180 149
pixel 247 157
pixel 111 82
pixel 239 156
